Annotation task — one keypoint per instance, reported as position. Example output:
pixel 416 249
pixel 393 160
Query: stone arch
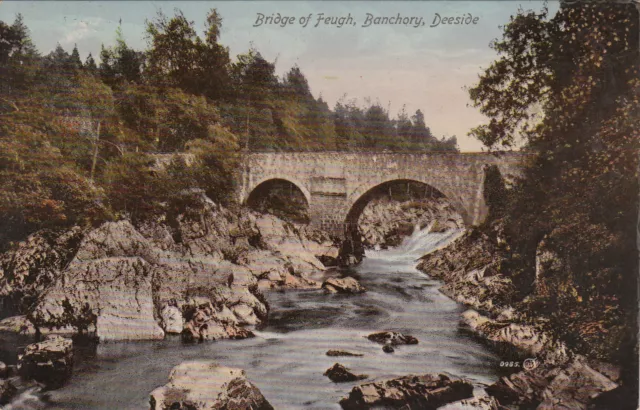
pixel 360 197
pixel 282 177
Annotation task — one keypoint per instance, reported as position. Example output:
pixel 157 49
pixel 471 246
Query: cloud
pixel 77 30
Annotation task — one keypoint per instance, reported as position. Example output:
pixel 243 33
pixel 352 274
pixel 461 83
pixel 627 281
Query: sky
pixel 422 67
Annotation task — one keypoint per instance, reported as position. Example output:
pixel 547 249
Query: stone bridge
pixel 337 185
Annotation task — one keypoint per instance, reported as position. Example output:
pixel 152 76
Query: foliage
pixel 178 57
pixel 77 139
pixel 579 70
pixel 120 64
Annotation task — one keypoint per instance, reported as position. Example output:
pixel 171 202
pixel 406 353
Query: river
pixel 287 359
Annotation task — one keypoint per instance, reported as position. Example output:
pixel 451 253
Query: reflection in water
pixel 287 358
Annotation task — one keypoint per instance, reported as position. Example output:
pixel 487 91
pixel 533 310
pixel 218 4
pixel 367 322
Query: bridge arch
pixel 363 194
pixel 277 177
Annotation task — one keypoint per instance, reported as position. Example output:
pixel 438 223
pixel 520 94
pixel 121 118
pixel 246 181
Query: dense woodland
pixel 76 136
pixel 578 70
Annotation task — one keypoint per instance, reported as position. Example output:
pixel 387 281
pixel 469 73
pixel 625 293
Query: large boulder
pixel 273 270
pixel 338 374
pixel 574 387
pixel 422 392
pixel 343 285
pixel 35 263
pixel 204 321
pixel 392 338
pixel 108 284
pixel 200 385
pixel 114 294
pixel 49 362
pixel 515 339
pixel 571 386
pixel 284 238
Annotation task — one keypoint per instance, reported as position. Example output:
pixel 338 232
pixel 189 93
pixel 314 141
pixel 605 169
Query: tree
pixel 296 83
pixel 90 64
pixel 74 61
pixel 19 59
pixel 121 64
pixel 179 57
pixel 378 130
pixel 403 125
pixel 421 134
pixel 567 88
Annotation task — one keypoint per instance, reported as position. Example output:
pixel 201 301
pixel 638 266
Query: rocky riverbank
pixel 126 282
pixel 549 375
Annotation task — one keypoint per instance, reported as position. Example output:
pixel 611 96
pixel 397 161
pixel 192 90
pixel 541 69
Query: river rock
pixel 392 338
pixel 335 353
pixel 49 362
pixel 570 386
pixel 338 374
pixel 35 263
pixel 512 338
pixel 171 318
pixel 206 322
pixel 574 387
pixel 423 392
pixel 7 391
pixel 388 348
pixel 264 264
pixel 344 285
pixel 113 293
pixel 292 242
pixel 108 284
pixel 475 403
pixel 200 385
pixel 523 388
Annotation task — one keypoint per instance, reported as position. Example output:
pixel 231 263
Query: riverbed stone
pixel 392 338
pixel 204 321
pixel 574 387
pixel 475 403
pixel 335 353
pixel 171 318
pixel 338 374
pixel 571 386
pixel 515 339
pixel 7 391
pixel 49 362
pixel 413 392
pixel 346 285
pixel 205 385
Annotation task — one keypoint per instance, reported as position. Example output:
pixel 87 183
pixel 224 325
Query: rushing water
pixel 287 358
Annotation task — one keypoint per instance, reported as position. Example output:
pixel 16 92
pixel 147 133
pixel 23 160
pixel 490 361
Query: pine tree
pixel 74 61
pixel 90 64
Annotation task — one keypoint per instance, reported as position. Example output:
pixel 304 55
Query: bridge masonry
pixel 336 184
